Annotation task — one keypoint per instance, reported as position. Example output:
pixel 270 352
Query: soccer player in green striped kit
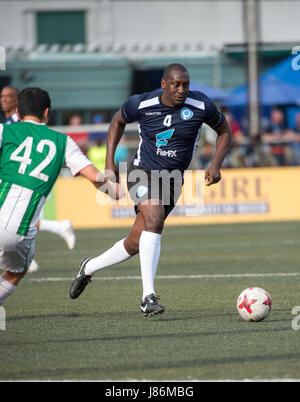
pixel 31 157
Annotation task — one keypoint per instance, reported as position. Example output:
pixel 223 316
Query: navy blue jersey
pixel 168 136
pixel 12 119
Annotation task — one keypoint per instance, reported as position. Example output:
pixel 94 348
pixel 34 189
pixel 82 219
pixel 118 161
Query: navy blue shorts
pixel 164 185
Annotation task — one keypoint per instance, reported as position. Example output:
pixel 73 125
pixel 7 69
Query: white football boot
pixel 33 267
pixel 67 233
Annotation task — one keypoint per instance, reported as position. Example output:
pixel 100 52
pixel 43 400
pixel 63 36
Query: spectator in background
pixel 241 150
pixel 297 123
pixel 276 138
pixel 122 152
pixel 97 154
pixel 296 141
pixel 279 139
pixel 9 103
pixel 277 123
pixel 94 136
pixel 206 155
pixel 81 137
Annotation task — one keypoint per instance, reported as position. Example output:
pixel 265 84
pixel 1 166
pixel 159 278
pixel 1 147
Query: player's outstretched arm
pixel 224 140
pixel 113 189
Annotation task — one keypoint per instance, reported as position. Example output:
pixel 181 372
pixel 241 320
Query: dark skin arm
pixel 114 135
pixel 224 140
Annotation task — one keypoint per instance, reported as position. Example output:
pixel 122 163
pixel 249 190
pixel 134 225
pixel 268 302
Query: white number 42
pixel 25 158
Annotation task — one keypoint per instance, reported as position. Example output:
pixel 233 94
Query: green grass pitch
pixel 104 336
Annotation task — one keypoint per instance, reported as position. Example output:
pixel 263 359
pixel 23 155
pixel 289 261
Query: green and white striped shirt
pixel 31 157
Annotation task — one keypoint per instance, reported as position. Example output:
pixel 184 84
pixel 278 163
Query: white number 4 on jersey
pixel 167 120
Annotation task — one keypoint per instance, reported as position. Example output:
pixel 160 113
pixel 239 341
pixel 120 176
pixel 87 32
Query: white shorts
pixel 16 252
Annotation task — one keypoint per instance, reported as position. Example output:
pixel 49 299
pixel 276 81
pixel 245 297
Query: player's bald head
pixel 171 68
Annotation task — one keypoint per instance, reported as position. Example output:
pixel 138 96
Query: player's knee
pixel 131 246
pixel 154 224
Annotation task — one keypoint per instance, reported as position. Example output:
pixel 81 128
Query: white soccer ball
pixel 254 304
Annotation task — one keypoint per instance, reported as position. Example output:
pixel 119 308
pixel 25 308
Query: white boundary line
pixel 212 276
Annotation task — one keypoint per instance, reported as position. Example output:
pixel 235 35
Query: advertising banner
pixel 243 195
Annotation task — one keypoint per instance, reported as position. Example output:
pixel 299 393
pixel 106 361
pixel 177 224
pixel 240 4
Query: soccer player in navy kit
pixel 169 121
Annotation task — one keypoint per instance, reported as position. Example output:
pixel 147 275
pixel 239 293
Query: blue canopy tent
pixel 213 93
pixel 278 86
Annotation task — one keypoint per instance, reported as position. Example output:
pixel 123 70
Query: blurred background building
pixel 92 55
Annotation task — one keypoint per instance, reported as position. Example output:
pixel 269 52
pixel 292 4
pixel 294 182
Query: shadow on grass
pixel 154 336
pixel 129 370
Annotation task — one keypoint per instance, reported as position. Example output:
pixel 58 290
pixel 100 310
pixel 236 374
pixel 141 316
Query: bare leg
pixel 8 283
pixel 12 277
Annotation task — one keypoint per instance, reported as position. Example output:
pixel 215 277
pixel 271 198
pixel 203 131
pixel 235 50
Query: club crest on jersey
pixel 186 113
